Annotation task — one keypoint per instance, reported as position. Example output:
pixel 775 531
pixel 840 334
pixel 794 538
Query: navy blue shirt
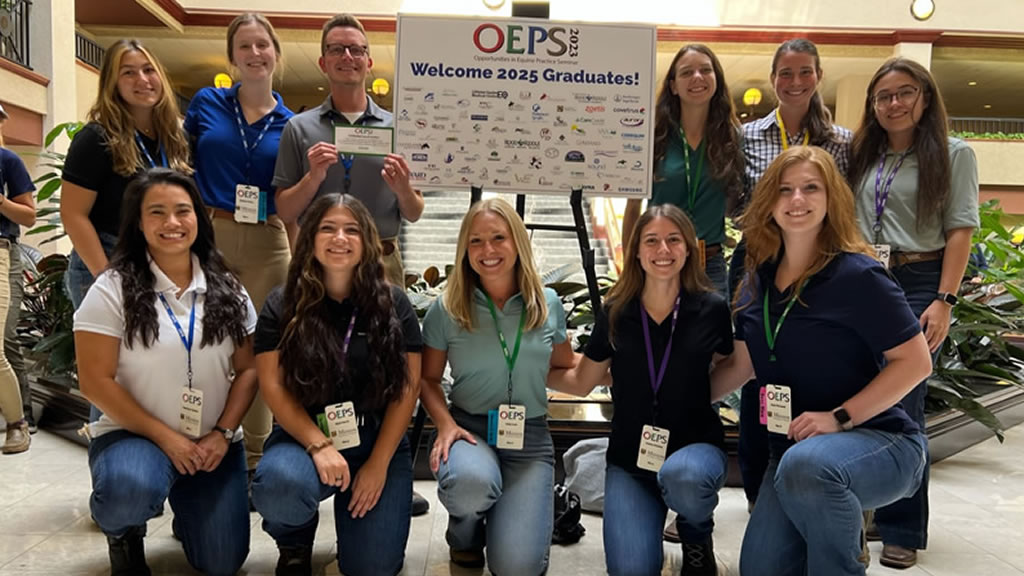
pixel 14 181
pixel 830 345
pixel 220 159
pixel 684 397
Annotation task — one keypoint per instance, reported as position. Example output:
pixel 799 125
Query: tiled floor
pixel 977 501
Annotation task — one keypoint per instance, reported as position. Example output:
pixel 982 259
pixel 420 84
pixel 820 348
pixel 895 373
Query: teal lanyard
pixel 510 359
pixel 692 183
pixel 772 336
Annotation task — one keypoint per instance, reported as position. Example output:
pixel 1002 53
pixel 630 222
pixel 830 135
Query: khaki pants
pixel 10 394
pixel 259 255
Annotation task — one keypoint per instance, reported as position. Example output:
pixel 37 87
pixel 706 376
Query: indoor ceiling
pixel 193 58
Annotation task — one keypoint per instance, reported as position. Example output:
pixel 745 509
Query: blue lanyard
pixel 249 150
pixel 181 333
pixel 152 164
pixel 346 161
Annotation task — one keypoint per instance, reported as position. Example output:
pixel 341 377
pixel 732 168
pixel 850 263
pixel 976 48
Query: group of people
pixel 854 247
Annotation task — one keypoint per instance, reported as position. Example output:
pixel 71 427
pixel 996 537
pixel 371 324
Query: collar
pixel 688 303
pixel 164 284
pixel 480 298
pixel 766 122
pixel 372 111
pixel 766 273
pixel 277 111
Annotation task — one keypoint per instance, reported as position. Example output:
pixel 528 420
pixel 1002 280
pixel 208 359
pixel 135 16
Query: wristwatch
pixel 947 297
pixel 843 418
pixel 228 434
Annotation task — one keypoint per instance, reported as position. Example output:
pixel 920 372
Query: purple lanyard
pixel 348 337
pixel 882 194
pixel 656 379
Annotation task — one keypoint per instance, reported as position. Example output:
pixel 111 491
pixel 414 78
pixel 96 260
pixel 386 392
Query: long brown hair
pixel 310 349
pixel 839 232
pixel 631 283
pixel 111 112
pixel 458 294
pixel 722 132
pixel 819 119
pixel 931 140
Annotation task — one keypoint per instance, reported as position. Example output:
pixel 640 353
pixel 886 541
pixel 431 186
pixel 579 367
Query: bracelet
pixel 317 446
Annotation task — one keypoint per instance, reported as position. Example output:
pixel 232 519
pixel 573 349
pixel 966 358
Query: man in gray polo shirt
pixel 308 164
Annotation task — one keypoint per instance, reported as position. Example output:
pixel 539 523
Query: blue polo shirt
pixel 220 159
pixel 830 345
pixel 478 366
pixel 14 181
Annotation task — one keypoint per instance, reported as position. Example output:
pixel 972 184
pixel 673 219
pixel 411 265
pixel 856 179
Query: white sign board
pixel 525 105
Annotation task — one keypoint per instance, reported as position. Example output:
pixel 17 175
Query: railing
pixel 987 125
pixel 14 41
pixel 611 227
pixel 88 51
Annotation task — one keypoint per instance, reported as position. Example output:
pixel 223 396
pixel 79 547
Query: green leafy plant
pixel 967 135
pixel 48 185
pixel 979 356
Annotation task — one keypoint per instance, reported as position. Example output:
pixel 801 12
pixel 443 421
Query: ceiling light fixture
pixel 922 9
pixel 972 83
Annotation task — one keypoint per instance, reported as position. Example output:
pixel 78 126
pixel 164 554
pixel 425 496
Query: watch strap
pixel 947 297
pixel 843 418
pixel 229 434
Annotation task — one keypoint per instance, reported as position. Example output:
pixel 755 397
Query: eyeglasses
pixel 354 50
pixel 905 95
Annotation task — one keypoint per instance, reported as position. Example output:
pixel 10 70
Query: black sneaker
pixel 699 559
pixel 420 506
pixel 128 554
pixel 294 561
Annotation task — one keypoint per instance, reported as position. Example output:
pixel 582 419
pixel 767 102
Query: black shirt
pixel 90 164
pixel 684 398
pixel 830 345
pixel 270 326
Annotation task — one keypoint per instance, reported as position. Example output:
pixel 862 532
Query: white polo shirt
pixel 155 376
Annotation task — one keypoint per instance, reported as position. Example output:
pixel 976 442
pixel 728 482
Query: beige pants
pixel 259 255
pixel 10 393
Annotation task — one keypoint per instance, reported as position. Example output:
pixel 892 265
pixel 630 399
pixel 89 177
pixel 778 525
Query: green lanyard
pixel 510 359
pixel 769 335
pixel 692 183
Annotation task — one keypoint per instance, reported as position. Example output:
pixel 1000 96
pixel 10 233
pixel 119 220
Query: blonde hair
pixel 111 112
pixel 458 295
pixel 630 285
pixel 839 232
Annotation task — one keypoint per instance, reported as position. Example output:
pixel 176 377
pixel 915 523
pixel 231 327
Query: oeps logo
pixel 490 38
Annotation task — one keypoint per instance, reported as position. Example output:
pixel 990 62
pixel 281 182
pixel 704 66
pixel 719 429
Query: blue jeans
pixel 905 522
pixel 503 499
pixel 714 267
pixel 635 506
pixel 287 492
pixel 808 516
pixel 77 281
pixel 131 478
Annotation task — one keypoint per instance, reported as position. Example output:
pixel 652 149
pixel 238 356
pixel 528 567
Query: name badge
pixel 779 404
pixel 190 416
pixel 511 426
pixel 363 140
pixel 884 251
pixel 653 448
pixel 342 427
pixel 247 204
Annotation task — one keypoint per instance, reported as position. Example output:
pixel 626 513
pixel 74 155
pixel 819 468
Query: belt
pixel 388 245
pixel 712 250
pixel 225 215
pixel 903 258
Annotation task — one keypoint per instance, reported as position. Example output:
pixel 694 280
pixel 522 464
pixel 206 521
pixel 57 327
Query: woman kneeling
pixel 164 350
pixel 342 410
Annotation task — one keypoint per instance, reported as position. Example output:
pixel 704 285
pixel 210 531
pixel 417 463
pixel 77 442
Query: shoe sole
pixel 16 449
pixel 897 564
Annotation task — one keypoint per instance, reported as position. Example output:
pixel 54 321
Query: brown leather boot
pixel 898 557
pixel 18 438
